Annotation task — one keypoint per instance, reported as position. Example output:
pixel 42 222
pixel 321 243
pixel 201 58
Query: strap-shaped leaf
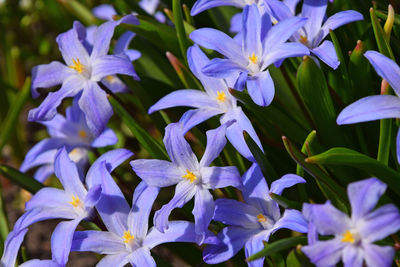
pixel 23 180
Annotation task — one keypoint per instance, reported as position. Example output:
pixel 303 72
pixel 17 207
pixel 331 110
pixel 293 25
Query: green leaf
pixel 262 161
pixel 296 258
pixel 286 203
pixel 180 28
pixel 334 192
pixel 383 45
pixel 10 121
pixel 156 150
pixel 314 91
pixel 80 11
pixel 348 157
pixel 304 149
pixel 278 246
pixel 23 180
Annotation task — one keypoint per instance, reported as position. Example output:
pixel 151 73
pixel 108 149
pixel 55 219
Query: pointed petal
pixel 236 24
pixel 48 75
pixel 241 81
pixel 283 51
pixel 49 197
pixel 338 20
pixel 325 253
pixel 380 223
pixel 285 181
pixel 93 196
pixel 61 240
pixel 138 218
pixel 353 256
pixel 251 30
pixel 194 117
pixel 216 141
pixel 197 60
pixel 364 195
pixel 112 159
pixel 232 240
pixel 47 213
pixel 95 105
pixel 201 5
pixel 218 41
pixel 328 219
pixel 261 88
pixel 115 84
pixel 282 31
pixel 98 241
pixel 386 68
pixel 314 10
pixel 370 108
pixel 123 42
pixel 141 257
pixel 157 172
pixel 378 255
pixel 104 11
pixel 11 247
pixel 67 172
pixel 71 48
pixel 326 52
pixel 219 177
pixel 178 148
pixel 106 138
pixel 203 212
pixel 254 245
pixel 222 68
pixel 44 172
pixel 112 64
pixel 280 9
pixel 187 98
pixel 48 108
pixel 293 220
pixel 291 4
pixel 115 260
pixel 232 212
pixel 184 192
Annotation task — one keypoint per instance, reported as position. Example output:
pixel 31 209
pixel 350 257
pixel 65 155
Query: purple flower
pixel 74 203
pixel 71 132
pixel 354 236
pixel 81 73
pixel 192 178
pixel 316 28
pixel 262 45
pixel 215 100
pixel 252 222
pixel 377 107
pixel 128 239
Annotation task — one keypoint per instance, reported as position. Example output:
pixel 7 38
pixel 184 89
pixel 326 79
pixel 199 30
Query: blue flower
pixel 71 132
pixel 316 27
pixel 354 237
pixel 379 106
pixel 252 222
pixel 192 178
pixel 215 100
pixel 262 45
pixel 81 73
pixel 128 239
pixel 74 203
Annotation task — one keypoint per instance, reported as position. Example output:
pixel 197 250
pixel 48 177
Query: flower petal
pixel 141 257
pixel 61 241
pixel 232 212
pixel 184 192
pixel 41 263
pixel 187 98
pixel 201 5
pixel 280 10
pixel 157 172
pixel 95 105
pixel 93 196
pixel 254 245
pixel 203 212
pixel 293 220
pixel 47 213
pixel 216 141
pixel 251 27
pixel 11 247
pixel 98 241
pixel 49 197
pixel 44 172
pixel 325 253
pixel 364 195
pixel 222 68
pixel 386 68
pixel 314 11
pixel 380 223
pixel 112 64
pixel 178 148
pixel 123 42
pixel 112 159
pixel 194 117
pixel 261 88
pixel 105 12
pixel 115 260
pixel 106 138
pixel 48 108
pixel 219 177
pixel 370 108
pixel 378 255
pixel 353 256
pixel 138 218
pixel 48 75
pixel 326 52
pixel 72 49
pixel 285 181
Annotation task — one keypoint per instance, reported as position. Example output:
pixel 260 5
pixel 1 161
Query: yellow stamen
pixel 78 66
pixel 110 79
pixel 303 39
pixel 75 201
pixel 128 237
pixel 189 176
pixel 261 218
pixel 348 237
pixel 82 133
pixel 253 58
pixel 221 96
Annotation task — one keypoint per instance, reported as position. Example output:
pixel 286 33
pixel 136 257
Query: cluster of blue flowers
pixel 267 33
